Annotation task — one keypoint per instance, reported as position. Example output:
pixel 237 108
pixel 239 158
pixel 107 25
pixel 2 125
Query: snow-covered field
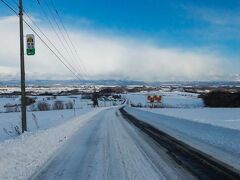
pixel 75 99
pixel 169 99
pixel 38 120
pixel 51 89
pixel 224 117
pixel 44 119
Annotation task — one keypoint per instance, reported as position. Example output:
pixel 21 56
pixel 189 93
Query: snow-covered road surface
pixel 108 147
pixel 21 157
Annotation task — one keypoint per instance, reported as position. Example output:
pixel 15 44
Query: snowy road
pixel 108 147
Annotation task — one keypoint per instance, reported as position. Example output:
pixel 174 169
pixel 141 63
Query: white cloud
pixel 218 17
pixel 219 24
pixel 108 57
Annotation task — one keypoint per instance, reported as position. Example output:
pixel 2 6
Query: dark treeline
pixel 222 99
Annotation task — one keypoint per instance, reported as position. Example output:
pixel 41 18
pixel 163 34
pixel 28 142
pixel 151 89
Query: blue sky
pixel 191 25
pixel 178 23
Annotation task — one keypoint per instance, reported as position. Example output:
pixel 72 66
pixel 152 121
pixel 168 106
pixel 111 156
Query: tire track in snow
pixel 108 147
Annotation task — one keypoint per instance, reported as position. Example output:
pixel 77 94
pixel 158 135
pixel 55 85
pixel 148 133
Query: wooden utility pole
pixel 23 93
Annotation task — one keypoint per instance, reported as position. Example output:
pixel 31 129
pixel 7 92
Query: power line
pixel 48 40
pixel 9 7
pixel 62 34
pixel 80 68
pixel 66 32
pixel 56 33
pixel 12 9
pixel 53 6
pixel 50 49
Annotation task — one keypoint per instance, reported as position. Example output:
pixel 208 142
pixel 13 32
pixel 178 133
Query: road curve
pixel 108 147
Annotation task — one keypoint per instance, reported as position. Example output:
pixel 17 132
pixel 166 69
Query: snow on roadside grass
pixel 45 120
pixel 20 158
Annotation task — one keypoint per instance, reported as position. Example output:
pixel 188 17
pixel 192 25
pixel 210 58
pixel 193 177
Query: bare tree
pixel 69 105
pixel 58 105
pixel 43 106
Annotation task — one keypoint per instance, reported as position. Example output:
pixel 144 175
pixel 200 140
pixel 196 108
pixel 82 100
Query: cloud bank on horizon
pixel 117 56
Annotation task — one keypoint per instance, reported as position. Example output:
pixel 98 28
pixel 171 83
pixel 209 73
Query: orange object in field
pixel 158 98
pixel 150 99
pixel 154 98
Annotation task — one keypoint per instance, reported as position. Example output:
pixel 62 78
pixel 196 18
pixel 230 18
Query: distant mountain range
pixel 118 83
pixel 71 82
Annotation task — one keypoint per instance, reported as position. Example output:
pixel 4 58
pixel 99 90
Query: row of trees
pixel 57 105
pixel 221 99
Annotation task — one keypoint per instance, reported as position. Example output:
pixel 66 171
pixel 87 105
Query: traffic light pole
pixel 23 93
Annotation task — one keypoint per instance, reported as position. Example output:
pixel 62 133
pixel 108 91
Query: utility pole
pixel 23 93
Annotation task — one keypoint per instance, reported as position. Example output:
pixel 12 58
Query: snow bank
pixel 221 143
pixel 20 158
